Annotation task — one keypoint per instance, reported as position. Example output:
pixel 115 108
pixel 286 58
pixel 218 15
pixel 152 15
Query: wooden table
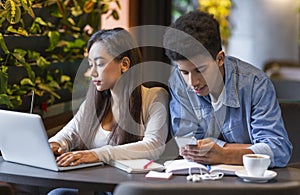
pixel 106 178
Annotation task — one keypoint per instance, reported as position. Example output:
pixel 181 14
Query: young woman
pixel 120 119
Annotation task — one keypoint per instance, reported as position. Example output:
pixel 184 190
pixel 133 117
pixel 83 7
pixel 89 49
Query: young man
pixel 227 104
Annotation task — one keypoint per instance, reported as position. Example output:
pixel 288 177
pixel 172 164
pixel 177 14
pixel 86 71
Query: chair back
pixel 6 189
pixel 136 188
pixel 290 112
pixel 287 89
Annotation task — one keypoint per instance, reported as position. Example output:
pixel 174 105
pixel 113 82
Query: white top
pixel 155 110
pixel 101 138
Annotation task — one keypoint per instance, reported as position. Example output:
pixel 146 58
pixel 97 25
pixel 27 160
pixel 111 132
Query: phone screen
pixel 182 141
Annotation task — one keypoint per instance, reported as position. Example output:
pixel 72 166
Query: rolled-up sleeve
pixel 267 129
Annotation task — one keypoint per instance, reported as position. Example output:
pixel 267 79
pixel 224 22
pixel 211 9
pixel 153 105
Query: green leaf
pixel 75 28
pixel 78 43
pixel 39 93
pixel 19 54
pixel 65 78
pixel 76 10
pixel 54 85
pixel 48 89
pixel 104 8
pixel 115 14
pixel 27 81
pixel 35 28
pixel 33 54
pixel 54 37
pixel 61 8
pixel 88 6
pixel 2 16
pixel 71 21
pixel 3 79
pixel 3 45
pixel 13 14
pixel 118 4
pixel 42 62
pixel 26 4
pixel 56 13
pixel 20 31
pixel 15 102
pixel 4 99
pixel 40 21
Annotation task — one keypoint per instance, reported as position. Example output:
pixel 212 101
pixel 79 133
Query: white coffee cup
pixel 256 164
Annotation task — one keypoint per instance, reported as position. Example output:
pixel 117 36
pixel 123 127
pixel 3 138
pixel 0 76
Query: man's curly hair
pixel 202 27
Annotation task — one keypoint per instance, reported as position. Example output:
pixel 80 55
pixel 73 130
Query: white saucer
pixel 260 179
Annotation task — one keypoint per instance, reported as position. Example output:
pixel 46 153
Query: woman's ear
pixel 125 64
pixel 220 58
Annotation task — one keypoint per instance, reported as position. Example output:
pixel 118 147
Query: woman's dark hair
pixel 202 27
pixel 119 44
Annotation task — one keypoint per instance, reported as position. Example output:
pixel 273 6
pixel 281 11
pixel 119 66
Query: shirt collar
pixel 231 92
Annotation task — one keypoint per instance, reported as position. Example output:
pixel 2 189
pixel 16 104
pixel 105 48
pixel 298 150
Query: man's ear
pixel 220 58
pixel 125 64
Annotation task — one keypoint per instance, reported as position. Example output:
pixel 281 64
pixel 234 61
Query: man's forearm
pixel 234 153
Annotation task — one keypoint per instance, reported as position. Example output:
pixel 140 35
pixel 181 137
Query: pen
pixel 148 163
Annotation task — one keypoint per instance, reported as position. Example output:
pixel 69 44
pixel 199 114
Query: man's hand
pixel 206 152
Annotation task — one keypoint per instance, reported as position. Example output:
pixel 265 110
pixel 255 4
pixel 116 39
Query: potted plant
pixel 40 38
pixel 220 9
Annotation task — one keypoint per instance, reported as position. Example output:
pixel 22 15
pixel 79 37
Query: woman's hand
pixel 76 158
pixel 56 148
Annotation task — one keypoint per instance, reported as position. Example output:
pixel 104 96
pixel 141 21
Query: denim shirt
pixel 252 113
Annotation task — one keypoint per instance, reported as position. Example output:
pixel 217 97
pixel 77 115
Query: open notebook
pixel 23 140
pixel 182 166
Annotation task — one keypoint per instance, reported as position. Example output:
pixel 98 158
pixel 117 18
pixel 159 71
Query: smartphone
pixel 182 141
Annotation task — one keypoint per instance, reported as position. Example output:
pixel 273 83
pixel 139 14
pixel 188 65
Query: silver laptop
pixel 23 140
